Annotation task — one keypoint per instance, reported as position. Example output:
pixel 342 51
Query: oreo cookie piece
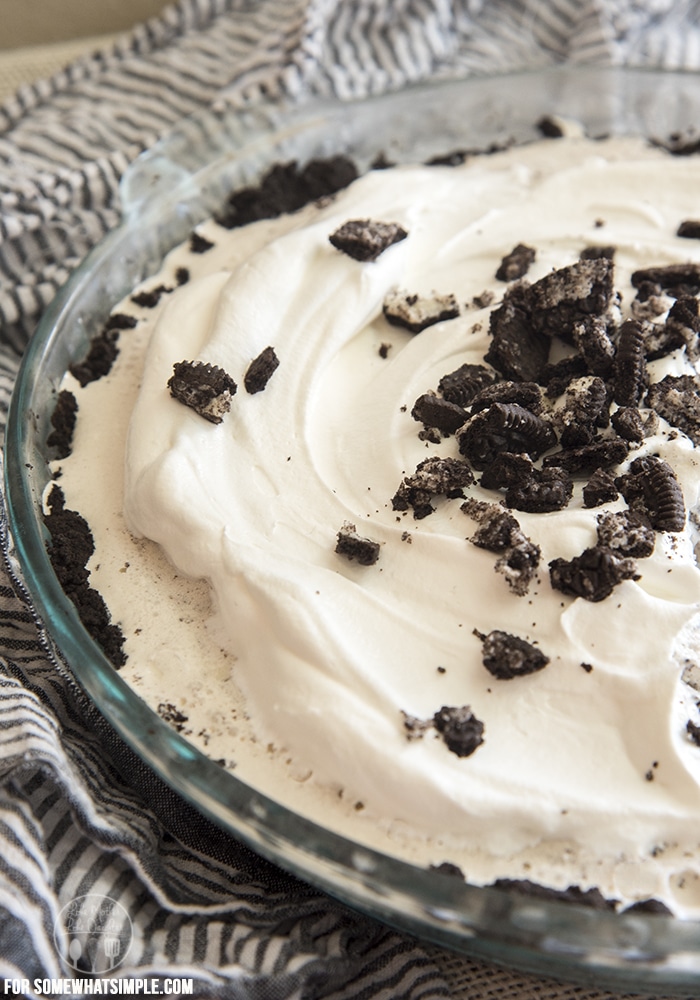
pixel 199 244
pixel 417 312
pixel 683 326
pixel 594 252
pixel 591 337
pixel 101 355
pixel 517 350
pixel 689 229
pixel 504 427
pixel 500 532
pixel 365 239
pixel 149 298
pixel 600 489
pixel 517 263
pixel 433 476
pixel 525 394
pixel 629 370
pixel 63 421
pixel 547 490
pixel 69 550
pixel 569 295
pixel 204 388
pixel 574 894
pixel 287 188
pixel 650 487
pixel 601 454
pixel 434 411
pixel 558 375
pixel 260 370
pixel 583 405
pixel 626 532
pixel 355 547
pixel 507 469
pixel 593 575
pixel 679 280
pixel 462 385
pixel 460 729
pixel 506 656
pixel 676 398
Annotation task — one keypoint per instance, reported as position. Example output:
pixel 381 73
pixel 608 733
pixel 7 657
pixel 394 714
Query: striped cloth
pixel 79 814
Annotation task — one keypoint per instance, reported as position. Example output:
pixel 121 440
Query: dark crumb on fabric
pixel 261 370
pixel 287 188
pixel 506 656
pixel 199 243
pixel 365 239
pixel 593 575
pixel 100 357
pixel 517 263
pixel 69 550
pixel 355 547
pixel 574 894
pixel 462 732
pixel 63 423
pixel 204 388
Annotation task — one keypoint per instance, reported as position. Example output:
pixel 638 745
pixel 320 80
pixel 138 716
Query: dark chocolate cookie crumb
pixel 627 532
pixel 676 398
pixel 463 384
pixel 594 252
pixel 504 427
pixel 516 264
pixel 525 394
pixel 206 389
pixel 558 375
pixel 517 349
pixel 287 188
pixel 683 326
pixel 63 422
pixel 354 546
pixel 366 239
pixel 462 732
pixel 100 357
pixel 550 127
pixel 260 370
pixel 69 550
pixel 507 469
pixel 592 338
pixel 149 298
pixel 172 715
pixel 567 296
pixel 679 280
pixel 506 656
pixel 583 406
pixel 649 906
pixel 448 868
pixel 417 312
pixel 415 728
pixel 651 488
pixel 547 490
pixel 120 321
pixel 629 369
pixel 574 894
pixel 433 476
pixel 689 229
pixel 600 454
pixel 628 421
pixel 593 575
pixel 600 489
pixel 693 731
pixel 434 411
pixel 500 532
pixel 199 243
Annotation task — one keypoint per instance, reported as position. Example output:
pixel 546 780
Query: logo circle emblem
pixel 99 933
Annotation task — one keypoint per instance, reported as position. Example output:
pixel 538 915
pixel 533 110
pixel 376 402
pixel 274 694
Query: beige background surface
pixel 42 22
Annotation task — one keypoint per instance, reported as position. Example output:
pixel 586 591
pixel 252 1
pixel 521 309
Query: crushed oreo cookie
pixel 199 244
pixel 417 312
pixel 689 229
pixel 680 280
pixel 464 383
pixel 149 298
pixel 461 731
pixel 204 388
pixel 626 532
pixel 63 421
pixel 593 575
pixel 70 549
pixel 365 239
pixel 260 370
pixel 516 264
pixel 525 394
pixel 574 894
pixel 600 489
pixel 603 453
pixel 517 349
pixel 629 370
pixel 434 411
pixel 355 547
pixel 546 490
pixel 651 488
pixel 676 398
pixel 506 656
pixel 101 355
pixel 501 533
pixel 504 427
pixel 560 300
pixel 433 476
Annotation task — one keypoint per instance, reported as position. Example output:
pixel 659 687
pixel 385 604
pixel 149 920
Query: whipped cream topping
pixel 586 773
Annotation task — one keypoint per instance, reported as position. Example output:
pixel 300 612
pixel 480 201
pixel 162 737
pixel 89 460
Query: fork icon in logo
pixel 112 947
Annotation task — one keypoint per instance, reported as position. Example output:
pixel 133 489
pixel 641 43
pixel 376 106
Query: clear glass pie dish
pixel 168 190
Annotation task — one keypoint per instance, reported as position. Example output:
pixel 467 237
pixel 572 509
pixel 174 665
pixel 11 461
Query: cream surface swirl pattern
pixel 328 653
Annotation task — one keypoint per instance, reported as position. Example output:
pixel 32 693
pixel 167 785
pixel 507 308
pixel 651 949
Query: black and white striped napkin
pixel 79 814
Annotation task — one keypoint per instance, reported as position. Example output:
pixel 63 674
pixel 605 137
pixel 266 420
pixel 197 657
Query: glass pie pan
pixel 165 193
